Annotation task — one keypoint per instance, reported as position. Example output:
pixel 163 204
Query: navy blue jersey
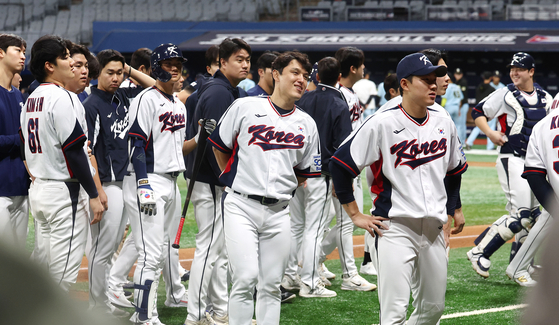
pixel 15 180
pixel 215 96
pixel 329 110
pixel 257 91
pixel 107 123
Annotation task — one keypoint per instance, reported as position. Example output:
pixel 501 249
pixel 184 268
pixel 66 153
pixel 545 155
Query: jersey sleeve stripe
pixel 346 166
pixel 221 147
pixel 306 173
pixel 137 135
pixel 458 170
pixel 76 137
pixel 533 170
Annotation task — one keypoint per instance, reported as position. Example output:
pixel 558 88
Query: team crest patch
pixel 440 131
pixel 300 129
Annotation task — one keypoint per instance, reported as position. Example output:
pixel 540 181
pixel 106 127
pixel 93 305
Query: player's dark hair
pixel 94 67
pixel 7 40
pixel 285 58
pixel 435 55
pixel 230 46
pixel 390 82
pixel 408 78
pixel 142 56
pixel 349 57
pixel 48 48
pixel 329 70
pixel 265 60
pixel 212 55
pixel 106 56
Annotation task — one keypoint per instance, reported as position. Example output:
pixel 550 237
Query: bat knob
pixel 177 246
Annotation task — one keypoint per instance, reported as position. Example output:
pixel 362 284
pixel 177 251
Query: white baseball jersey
pixel 52 120
pixel 252 127
pixel 352 100
pixel 160 120
pixel 543 148
pixel 410 159
pixel 398 100
pixel 555 103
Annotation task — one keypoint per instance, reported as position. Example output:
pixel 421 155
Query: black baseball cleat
pixel 286 295
pixel 186 276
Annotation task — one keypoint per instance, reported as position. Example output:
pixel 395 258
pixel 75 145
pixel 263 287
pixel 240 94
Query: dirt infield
pixel 481 163
pixel 464 239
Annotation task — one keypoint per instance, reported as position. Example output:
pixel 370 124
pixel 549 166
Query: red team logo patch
pixel 268 139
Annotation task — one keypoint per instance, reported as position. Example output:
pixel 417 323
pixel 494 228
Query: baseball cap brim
pixel 440 71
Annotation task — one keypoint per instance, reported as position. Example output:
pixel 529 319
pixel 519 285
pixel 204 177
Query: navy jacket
pixel 214 97
pixel 15 180
pixel 329 110
pixel 107 122
pixel 257 91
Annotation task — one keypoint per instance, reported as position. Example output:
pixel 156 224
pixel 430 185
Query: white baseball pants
pixel 309 213
pixel 411 256
pixel 14 217
pixel 533 242
pixel 341 235
pixel 153 234
pixel 105 238
pixel 517 190
pixel 257 238
pixel 208 273
pixel 61 210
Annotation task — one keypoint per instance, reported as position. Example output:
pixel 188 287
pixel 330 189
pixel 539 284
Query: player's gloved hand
pixel 208 125
pixel 146 197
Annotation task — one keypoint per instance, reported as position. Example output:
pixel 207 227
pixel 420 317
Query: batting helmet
pixel 164 52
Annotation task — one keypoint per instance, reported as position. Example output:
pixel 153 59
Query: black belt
pixel 262 199
pixel 174 174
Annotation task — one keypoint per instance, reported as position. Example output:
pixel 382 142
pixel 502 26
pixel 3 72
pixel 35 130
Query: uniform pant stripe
pixel 505 163
pixel 74 190
pixel 92 264
pixel 143 247
pixel 212 189
pixel 320 230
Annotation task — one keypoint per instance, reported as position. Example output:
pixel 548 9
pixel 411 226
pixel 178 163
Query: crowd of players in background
pixel 339 97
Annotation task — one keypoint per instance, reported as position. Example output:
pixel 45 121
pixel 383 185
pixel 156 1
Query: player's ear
pixel 275 75
pixel 404 84
pixel 339 77
pixel 49 67
pixel 2 53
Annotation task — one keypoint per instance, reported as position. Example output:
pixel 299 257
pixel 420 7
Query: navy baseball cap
pixel 314 72
pixel 522 60
pixel 417 64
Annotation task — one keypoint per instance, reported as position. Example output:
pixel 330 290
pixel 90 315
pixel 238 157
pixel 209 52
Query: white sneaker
pixel 119 313
pixel 326 282
pixel 323 271
pixel 207 320
pixel 480 264
pixel 290 283
pixel 152 321
pixel 368 269
pixel 183 302
pixel 524 279
pixel 221 320
pixel 318 292
pixel 355 282
pixel 118 298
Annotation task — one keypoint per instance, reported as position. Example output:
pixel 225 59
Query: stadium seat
pixel 371 4
pixel 324 4
pixel 222 11
pixel 154 11
pixel 128 12
pixel 48 24
pixel 386 4
pixel 209 11
pixel 195 12
pixel 531 12
pixel 115 12
pixel 236 12
pixel 62 20
pixel 251 11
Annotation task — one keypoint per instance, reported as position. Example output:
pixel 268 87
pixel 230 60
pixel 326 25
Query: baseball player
pixel 341 235
pixel 265 84
pixel 81 56
pixel 107 117
pixel 150 191
pixel 451 101
pixel 285 142
pixel 518 107
pixel 14 208
pixel 539 171
pixel 208 273
pixel 55 152
pixel 406 143
pixel 311 203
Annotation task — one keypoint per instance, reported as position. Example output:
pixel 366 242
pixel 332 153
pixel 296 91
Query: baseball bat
pixel 200 152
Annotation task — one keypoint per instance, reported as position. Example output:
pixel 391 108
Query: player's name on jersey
pixel 35 104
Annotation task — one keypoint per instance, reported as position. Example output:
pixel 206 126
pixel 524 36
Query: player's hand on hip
pixel 372 224
pixel 146 197
pixel 97 208
pixel 459 222
pixel 497 137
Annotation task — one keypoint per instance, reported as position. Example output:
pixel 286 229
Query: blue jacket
pixel 107 122
pixel 329 111
pixel 214 97
pixel 15 180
